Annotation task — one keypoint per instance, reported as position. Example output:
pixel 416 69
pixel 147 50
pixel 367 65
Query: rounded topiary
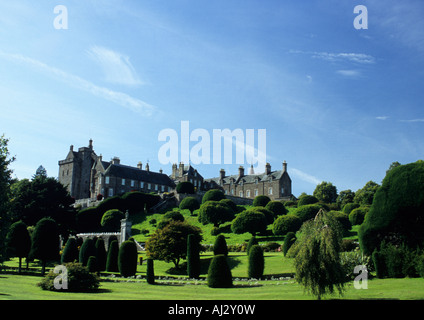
pixel 127 259
pixel 307 212
pixel 150 272
pixel 112 257
pixel 357 216
pixel 261 201
pixel 307 199
pixel 343 219
pixel 289 240
pixel 219 273
pixel 87 250
pixel 256 262
pixel 277 208
pixel 249 221
pixel 284 224
pixel 230 203
pixel 215 212
pixel 349 207
pixel 189 203
pixel 397 211
pixel 185 187
pixel 70 253
pixel 111 220
pixel 220 246
pixel 213 195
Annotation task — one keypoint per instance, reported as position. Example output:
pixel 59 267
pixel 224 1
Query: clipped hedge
pixel 285 224
pixel 256 262
pixel 261 201
pixel 219 273
pixel 127 259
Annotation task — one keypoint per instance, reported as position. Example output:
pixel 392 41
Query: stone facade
pixel 187 173
pixel 277 185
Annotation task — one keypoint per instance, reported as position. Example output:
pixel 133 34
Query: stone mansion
pixel 86 176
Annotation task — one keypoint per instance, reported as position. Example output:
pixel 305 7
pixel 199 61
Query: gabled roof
pixel 251 178
pixel 131 173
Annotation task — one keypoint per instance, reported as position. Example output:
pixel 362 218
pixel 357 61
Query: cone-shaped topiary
pixel 219 273
pixel 92 264
pixel 150 272
pixel 87 250
pixel 101 254
pixel 112 257
pixel 127 259
pixel 256 262
pixel 193 257
pixel 220 246
pixel 250 244
pixel 70 253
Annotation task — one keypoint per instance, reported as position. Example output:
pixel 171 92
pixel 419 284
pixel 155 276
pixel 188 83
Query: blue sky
pixel 339 104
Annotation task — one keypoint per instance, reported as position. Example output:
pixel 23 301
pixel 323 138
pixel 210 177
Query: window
pixel 162 188
pixel 241 194
pixel 141 185
pixel 256 192
pixel 232 191
pixel 156 187
pixel 283 191
pixel 270 190
pixel 149 186
pixel 248 193
pixel 132 183
pixel 123 182
pixel 226 191
pixel 107 180
pixel 100 179
pixel 110 192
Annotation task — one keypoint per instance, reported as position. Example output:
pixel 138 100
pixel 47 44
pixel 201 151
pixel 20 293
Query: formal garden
pixel 350 245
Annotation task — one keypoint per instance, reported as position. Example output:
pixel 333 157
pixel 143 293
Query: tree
pixel 215 212
pixel 220 246
pixel 213 195
pixel 19 241
pixel 306 199
pixel 325 192
pixel 45 242
pixel 397 211
pixel 261 201
pixel 70 253
pixel 111 220
pixel 285 224
pixel 170 243
pixel 189 203
pixel 365 196
pixel 345 197
pixel 185 187
pixel 127 259
pixel 150 271
pixel 317 262
pixel 249 221
pixel 40 172
pixel 256 262
pixel 277 208
pixel 112 257
pixel 193 257
pixel 5 194
pixel 87 250
pixel 219 273
pixel 252 241
pixel 289 240
pixel 101 254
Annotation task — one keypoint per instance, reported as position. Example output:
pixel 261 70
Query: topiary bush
pixel 215 212
pixel 220 246
pixel 349 207
pixel 112 257
pixel 185 187
pixel 127 259
pixel 343 219
pixel 150 272
pixel 92 264
pixel 357 216
pixel 219 273
pixel 277 208
pixel 249 221
pixel 284 224
pixel 213 195
pixel 193 257
pixel 87 250
pixel 307 199
pixel 289 240
pixel 189 203
pixel 256 262
pixel 70 253
pixel 111 220
pixel 101 255
pixel 261 201
pixel 252 241
pixel 79 279
pixel 307 212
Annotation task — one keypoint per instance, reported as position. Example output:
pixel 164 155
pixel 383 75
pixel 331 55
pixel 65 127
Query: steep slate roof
pixel 275 175
pixel 131 173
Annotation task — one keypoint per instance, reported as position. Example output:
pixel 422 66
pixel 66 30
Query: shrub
pixel 219 273
pixel 112 257
pixel 343 219
pixel 267 213
pixel 307 212
pixel 193 257
pixel 357 216
pixel 276 207
pixel 18 241
pixel 252 241
pixel 70 253
pixel 256 262
pixel 79 279
pixel 284 224
pixel 101 254
pixel 174 215
pixel 150 272
pixel 214 212
pixel 220 246
pixel 349 207
pixel 87 250
pixel 213 195
pixel 288 242
pixel 88 219
pixel 185 187
pixel 133 202
pixel 92 264
pixel 189 203
pixel 110 203
pixel 307 199
pixel 261 201
pixel 127 259
pixel 111 220
pixel 230 203
pixel 249 221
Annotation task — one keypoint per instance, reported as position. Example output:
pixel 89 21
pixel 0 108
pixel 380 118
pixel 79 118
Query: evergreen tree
pixel 101 254
pixel 219 273
pixel 256 262
pixel 92 265
pixel 220 246
pixel 251 243
pixel 193 257
pixel 87 250
pixel 112 257
pixel 19 241
pixel 150 272
pixel 70 253
pixel 127 259
pixel 45 242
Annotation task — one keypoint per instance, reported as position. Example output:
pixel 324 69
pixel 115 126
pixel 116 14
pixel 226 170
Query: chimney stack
pixel 90 144
pixel 222 174
pixel 241 171
pixel 147 167
pixel 267 168
pixel 140 165
pixel 284 166
pixel 116 160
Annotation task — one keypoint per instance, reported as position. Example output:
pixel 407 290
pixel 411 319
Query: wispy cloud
pixel 349 73
pixel 120 98
pixel 116 67
pixel 360 58
pixel 305 176
pixel 382 118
